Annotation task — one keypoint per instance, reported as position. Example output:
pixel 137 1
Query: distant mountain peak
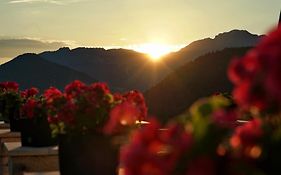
pixel 27 55
pixel 233 38
pixel 235 33
pixel 64 49
pixel 89 48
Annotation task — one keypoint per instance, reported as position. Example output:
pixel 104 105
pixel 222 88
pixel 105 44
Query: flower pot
pixel 14 120
pixel 87 155
pixel 36 133
pixel 2 108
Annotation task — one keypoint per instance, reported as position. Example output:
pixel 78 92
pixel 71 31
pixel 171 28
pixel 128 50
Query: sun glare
pixel 155 50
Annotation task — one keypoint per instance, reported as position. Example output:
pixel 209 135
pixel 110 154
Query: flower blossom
pixel 138 100
pixel 153 151
pixel 256 76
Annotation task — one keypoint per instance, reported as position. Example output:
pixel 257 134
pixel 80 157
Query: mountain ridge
pixel 126 69
pixel 199 78
pixel 132 69
pixel 231 39
pixel 31 70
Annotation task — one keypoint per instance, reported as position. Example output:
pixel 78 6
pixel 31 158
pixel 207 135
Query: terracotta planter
pixel 87 155
pixel 36 133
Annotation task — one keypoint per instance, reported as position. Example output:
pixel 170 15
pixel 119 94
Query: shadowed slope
pixel 199 78
pixel 127 69
pixel 32 70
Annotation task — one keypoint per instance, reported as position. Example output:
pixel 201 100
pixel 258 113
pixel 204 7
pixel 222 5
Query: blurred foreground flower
pixel 256 76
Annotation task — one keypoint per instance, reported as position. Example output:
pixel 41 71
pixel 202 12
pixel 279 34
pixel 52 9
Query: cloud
pixel 59 2
pixel 10 48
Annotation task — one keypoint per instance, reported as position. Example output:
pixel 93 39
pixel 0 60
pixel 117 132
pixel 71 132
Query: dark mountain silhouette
pixel 232 39
pixel 121 68
pixel 199 78
pixel 32 70
pixel 127 69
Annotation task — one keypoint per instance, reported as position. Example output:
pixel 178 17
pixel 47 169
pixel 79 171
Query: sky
pixel 37 25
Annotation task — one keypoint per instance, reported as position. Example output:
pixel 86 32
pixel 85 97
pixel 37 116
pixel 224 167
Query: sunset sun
pixel 155 50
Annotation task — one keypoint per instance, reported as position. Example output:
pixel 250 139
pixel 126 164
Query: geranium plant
pixel 9 100
pixel 32 106
pixel 34 126
pixel 85 108
pixel 256 76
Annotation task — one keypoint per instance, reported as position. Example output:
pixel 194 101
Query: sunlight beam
pixel 155 50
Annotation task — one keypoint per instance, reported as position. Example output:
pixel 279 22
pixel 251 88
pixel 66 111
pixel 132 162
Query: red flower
pixel 29 92
pixel 81 108
pixel 225 118
pixel 32 91
pixel 121 116
pixel 247 134
pixel 137 99
pixel 100 88
pixel 118 97
pixel 67 114
pixel 256 76
pixel 52 93
pixel 154 151
pixel 13 86
pixel 28 108
pixel 75 88
pixel 53 96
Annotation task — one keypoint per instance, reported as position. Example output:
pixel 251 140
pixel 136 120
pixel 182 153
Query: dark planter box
pixel 36 133
pixel 87 155
pixel 2 108
pixel 11 116
pixel 14 120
